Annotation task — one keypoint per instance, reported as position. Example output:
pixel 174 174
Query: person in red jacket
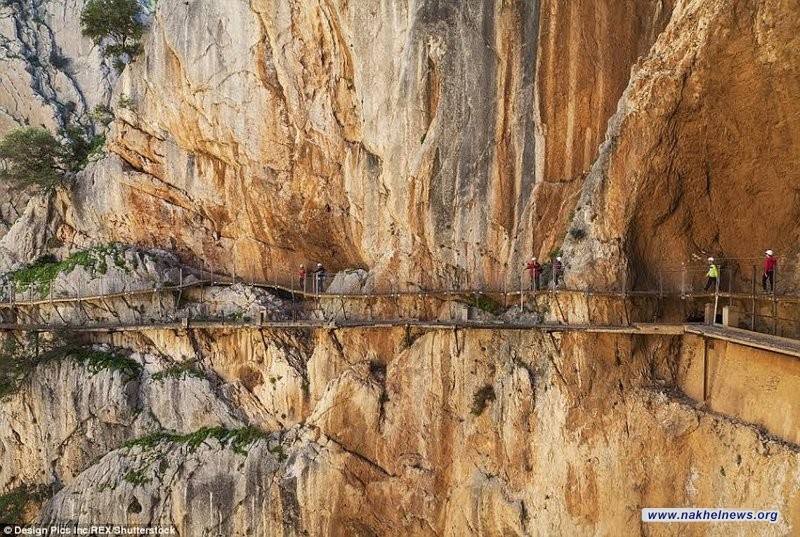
pixel 535 270
pixel 769 271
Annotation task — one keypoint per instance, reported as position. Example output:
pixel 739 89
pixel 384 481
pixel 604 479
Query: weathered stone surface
pixel 52 76
pixel 473 432
pixel 421 149
pixel 701 157
pixel 65 415
pixel 237 302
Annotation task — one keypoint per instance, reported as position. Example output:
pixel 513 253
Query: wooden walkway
pixel 637 328
pixel 756 340
pixel 444 294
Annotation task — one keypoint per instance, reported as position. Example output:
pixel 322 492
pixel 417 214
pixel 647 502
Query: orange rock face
pixel 423 144
pixel 436 143
pixel 702 156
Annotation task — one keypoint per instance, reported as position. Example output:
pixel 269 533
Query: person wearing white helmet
pixel 319 278
pixel 535 269
pixel 769 271
pixel 558 270
pixel 712 274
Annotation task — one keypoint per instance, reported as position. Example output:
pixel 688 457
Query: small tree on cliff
pixel 117 26
pixel 29 157
pixel 34 157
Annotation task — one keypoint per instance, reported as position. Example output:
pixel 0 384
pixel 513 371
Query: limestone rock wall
pixel 67 413
pixel 429 142
pixel 446 433
pixel 701 157
pixel 52 75
pixel 421 140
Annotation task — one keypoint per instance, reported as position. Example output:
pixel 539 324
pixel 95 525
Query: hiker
pixel 535 269
pixel 319 274
pixel 769 271
pixel 712 274
pixel 301 276
pixel 558 271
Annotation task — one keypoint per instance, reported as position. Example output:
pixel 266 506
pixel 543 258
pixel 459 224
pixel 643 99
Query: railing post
pixel 716 300
pixel 774 281
pixel 730 286
pixel 775 300
pixel 753 304
pixel 521 297
pixel 774 313
pixel 683 279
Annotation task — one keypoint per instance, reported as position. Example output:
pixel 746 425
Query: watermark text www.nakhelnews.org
pixel 707 514
pixel 94 529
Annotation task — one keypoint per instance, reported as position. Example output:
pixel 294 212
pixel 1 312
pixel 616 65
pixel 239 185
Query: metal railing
pixel 686 281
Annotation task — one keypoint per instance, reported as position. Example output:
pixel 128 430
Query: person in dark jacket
pixel 769 271
pixel 558 270
pixel 319 278
pixel 535 269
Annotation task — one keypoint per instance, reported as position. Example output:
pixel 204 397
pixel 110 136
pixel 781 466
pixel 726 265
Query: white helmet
pixel 710 259
pixel 558 259
pixel 769 252
pixel 319 264
pixel 533 259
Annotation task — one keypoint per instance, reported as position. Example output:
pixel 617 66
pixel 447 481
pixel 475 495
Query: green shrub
pixel 98 361
pixel 18 362
pixel 79 147
pixel 237 439
pixel 34 157
pixel 31 157
pixel 481 398
pixel 126 102
pixel 44 270
pixel 102 114
pixel 116 26
pixel 484 303
pixel 180 370
pixel 14 505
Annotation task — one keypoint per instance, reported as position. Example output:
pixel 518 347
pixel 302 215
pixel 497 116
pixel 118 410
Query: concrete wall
pixel 755 386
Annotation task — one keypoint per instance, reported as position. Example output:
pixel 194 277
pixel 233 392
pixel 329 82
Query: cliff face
pixel 702 155
pixel 425 140
pixel 417 140
pixel 51 76
pixel 428 142
pixel 380 431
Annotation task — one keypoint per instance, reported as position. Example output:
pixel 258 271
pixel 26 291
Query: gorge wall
pixel 427 142
pixel 375 431
pixel 415 139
